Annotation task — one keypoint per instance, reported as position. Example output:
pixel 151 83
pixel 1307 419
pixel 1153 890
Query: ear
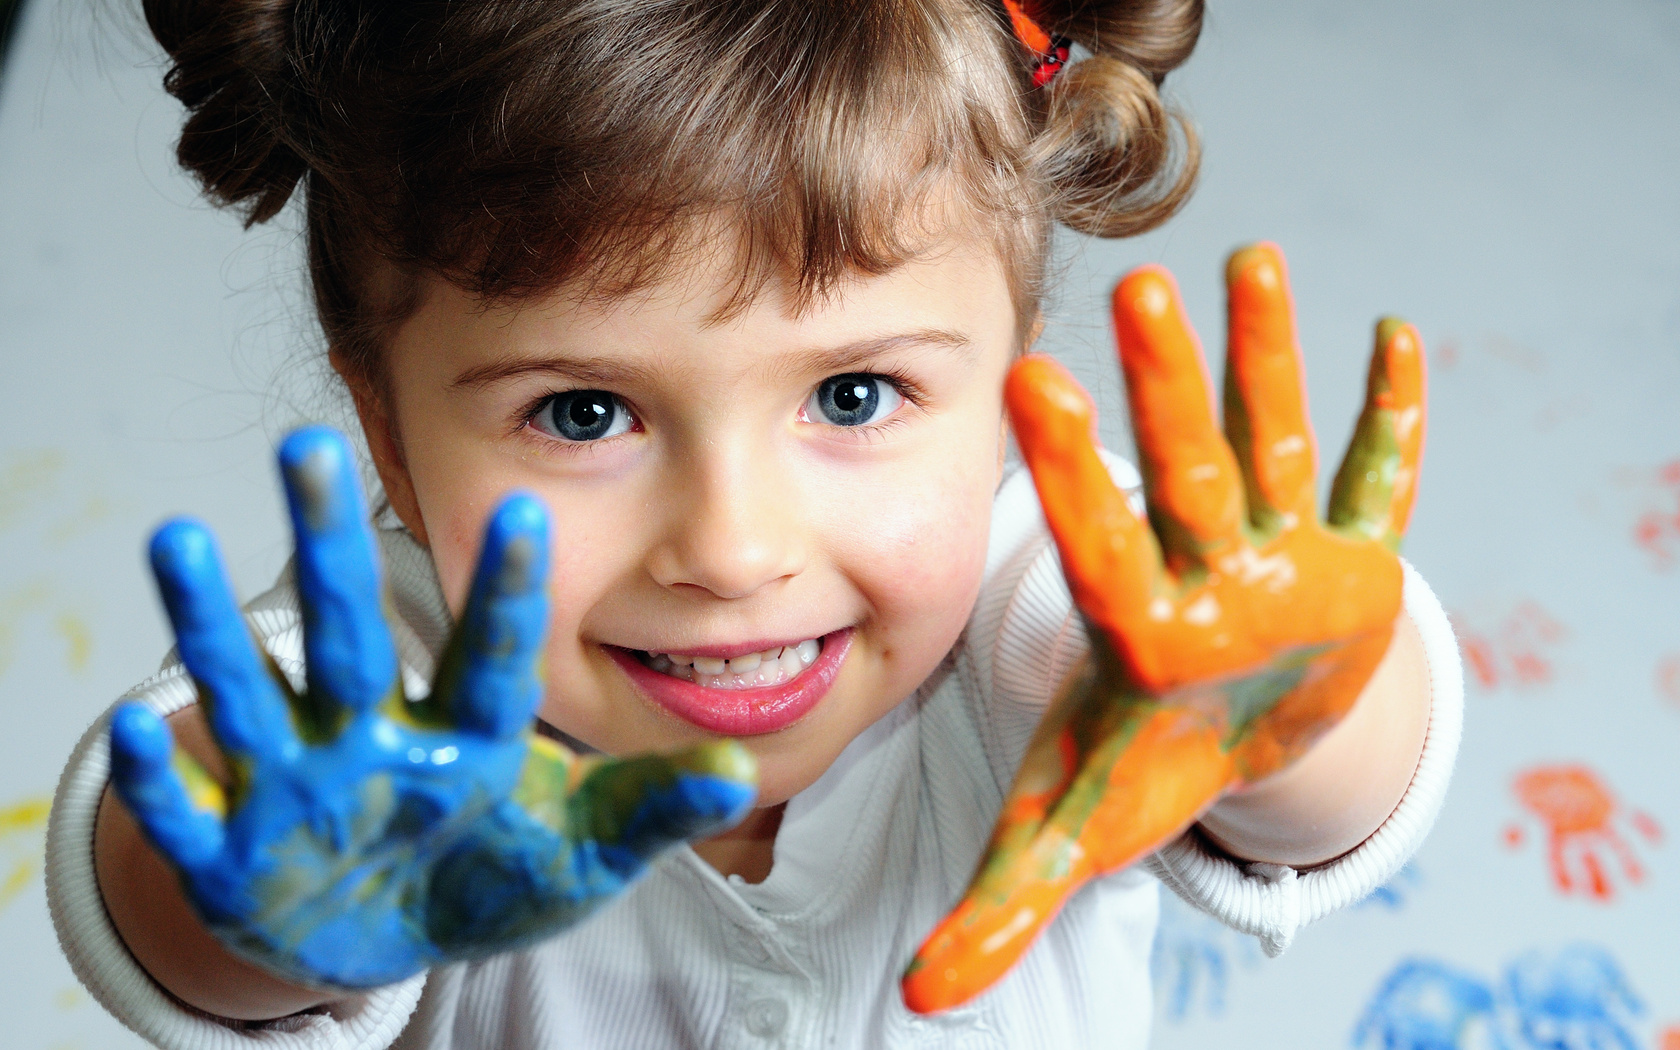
pixel 379 426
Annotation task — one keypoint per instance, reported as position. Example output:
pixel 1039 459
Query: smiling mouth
pixel 775 666
pixel 731 694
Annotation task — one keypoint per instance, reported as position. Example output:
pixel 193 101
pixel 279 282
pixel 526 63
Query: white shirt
pixel 867 860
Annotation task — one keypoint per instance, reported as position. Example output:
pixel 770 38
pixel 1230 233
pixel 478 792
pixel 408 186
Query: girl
pixel 729 292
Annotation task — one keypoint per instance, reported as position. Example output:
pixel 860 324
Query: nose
pixel 731 530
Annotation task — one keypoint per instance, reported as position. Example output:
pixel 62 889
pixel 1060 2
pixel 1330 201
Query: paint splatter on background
pixel 1657 529
pixel 1573 998
pixel 22 827
pixel 1587 834
pixel 1516 651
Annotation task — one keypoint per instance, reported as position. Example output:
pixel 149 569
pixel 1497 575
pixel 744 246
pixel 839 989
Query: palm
pixel 366 836
pixel 1228 633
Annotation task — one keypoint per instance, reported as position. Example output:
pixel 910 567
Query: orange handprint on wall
pixel 1516 651
pixel 1580 816
pixel 1657 530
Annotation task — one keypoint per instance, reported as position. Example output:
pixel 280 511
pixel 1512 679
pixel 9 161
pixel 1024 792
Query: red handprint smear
pixel 1657 530
pixel 1579 816
pixel 1668 683
pixel 1447 351
pixel 1515 651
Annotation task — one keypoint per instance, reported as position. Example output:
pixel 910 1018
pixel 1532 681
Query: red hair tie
pixel 1050 52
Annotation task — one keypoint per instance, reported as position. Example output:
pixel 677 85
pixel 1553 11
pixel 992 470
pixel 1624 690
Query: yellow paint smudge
pixel 36 597
pixel 18 824
pixel 77 637
pixel 12 609
pixel 69 998
pixel 93 511
pixel 26 476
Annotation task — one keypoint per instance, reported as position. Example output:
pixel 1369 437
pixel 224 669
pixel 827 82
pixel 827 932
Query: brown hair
pixel 511 146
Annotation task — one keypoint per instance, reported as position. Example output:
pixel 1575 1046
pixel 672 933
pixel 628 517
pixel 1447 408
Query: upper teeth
pixel 767 667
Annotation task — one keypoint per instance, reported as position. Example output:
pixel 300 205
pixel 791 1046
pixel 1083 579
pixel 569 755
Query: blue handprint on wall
pixel 1192 960
pixel 1575 998
pixel 1426 1005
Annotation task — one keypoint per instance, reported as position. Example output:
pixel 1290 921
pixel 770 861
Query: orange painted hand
pixel 1228 634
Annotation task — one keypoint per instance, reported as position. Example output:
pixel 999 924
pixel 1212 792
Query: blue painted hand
pixel 363 836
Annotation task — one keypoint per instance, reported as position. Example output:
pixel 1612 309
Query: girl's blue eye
pixel 853 400
pixel 582 415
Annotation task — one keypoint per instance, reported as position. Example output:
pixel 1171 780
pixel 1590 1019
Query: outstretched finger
pixel 1141 773
pixel 1377 483
pixel 1109 557
pixel 246 707
pixel 632 809
pixel 174 801
pixel 1190 478
pixel 490 681
pixel 352 662
pixel 1265 398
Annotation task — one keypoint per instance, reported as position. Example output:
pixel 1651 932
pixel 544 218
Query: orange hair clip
pixel 1051 52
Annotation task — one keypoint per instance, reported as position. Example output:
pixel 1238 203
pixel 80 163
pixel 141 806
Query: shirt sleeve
pixel 97 955
pixel 1027 637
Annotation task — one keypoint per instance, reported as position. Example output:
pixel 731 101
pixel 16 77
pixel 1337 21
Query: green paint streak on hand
pixel 1363 492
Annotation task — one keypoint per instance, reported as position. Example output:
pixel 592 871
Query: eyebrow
pixel 610 372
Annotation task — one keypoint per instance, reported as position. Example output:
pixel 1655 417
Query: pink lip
pixel 740 712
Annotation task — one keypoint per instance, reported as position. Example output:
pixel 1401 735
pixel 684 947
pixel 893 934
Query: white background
pixel 1505 174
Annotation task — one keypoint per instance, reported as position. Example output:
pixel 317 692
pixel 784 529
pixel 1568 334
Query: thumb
pixel 648 803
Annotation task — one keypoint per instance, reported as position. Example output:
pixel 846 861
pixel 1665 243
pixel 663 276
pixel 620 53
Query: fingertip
pixel 1038 382
pixel 316 466
pixel 521 513
pixel 1147 292
pixel 1397 335
pixel 140 741
pixel 1259 266
pixel 1400 357
pixel 313 446
pixel 180 545
pixel 718 801
pixel 516 545
pixel 726 759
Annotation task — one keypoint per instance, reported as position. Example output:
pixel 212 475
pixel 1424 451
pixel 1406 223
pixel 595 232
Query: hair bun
pixel 232 69
pixel 1117 160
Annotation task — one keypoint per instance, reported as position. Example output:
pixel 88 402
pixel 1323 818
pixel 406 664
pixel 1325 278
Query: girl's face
pixel 805 496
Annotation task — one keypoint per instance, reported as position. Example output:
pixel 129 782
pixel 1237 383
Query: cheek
pixel 920 559
pixel 581 546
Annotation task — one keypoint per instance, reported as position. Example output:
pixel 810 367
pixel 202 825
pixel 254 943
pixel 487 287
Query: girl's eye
pixel 853 400
pixel 582 415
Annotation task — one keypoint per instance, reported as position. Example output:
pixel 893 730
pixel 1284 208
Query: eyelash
pixel 525 420
pixel 907 389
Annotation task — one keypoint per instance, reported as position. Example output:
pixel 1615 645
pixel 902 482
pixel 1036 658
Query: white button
pixel 766 1017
